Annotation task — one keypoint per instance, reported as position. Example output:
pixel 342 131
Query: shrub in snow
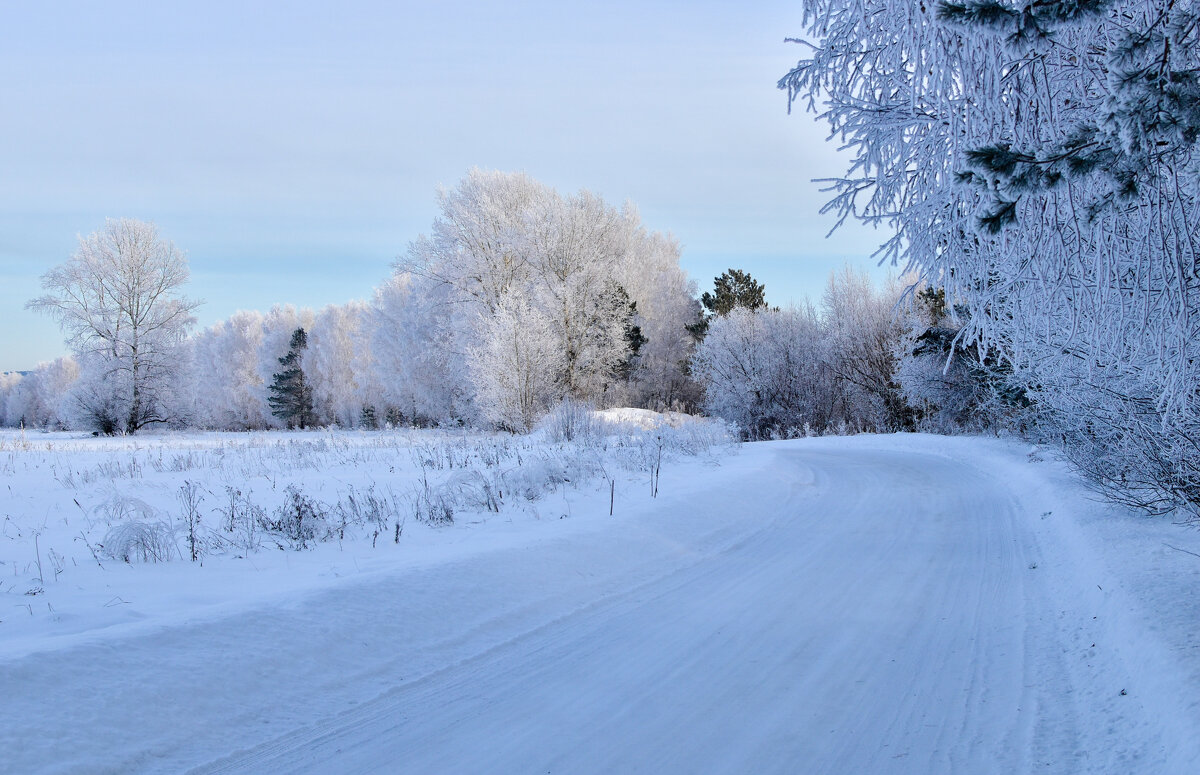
pixel 298 521
pixel 471 490
pixel 766 369
pixel 432 506
pixel 571 420
pixel 701 438
pixel 138 541
pixel 536 475
pixel 366 507
pixel 125 508
pixel 189 498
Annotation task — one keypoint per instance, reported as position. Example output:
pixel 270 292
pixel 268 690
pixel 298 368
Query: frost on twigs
pixel 298 522
pixel 1038 162
pixel 137 541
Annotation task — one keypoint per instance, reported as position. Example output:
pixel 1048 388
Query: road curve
pixel 808 608
pixel 878 627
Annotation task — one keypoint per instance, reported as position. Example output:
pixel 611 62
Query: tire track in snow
pixel 862 633
pixel 811 607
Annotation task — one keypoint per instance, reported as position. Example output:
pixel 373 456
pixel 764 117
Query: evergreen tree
pixel 731 290
pixel 291 397
pixel 634 338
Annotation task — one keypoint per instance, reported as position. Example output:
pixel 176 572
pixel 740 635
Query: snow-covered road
pixel 881 605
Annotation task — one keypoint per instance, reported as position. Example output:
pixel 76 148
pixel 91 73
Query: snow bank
pixel 644 419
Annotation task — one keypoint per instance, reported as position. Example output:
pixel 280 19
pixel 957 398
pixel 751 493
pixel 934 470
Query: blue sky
pixel 293 149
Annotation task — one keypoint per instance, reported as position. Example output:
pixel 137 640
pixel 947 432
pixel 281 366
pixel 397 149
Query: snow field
pixel 368 500
pixel 882 604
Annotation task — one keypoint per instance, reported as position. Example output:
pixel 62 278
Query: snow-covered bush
pixel 472 489
pixel 299 521
pixel 571 420
pixel 367 507
pixel 766 371
pixel 432 506
pixel 781 373
pixel 138 541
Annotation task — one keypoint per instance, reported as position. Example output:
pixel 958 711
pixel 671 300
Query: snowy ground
pixel 866 604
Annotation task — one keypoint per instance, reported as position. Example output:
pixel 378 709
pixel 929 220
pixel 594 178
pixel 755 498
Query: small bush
pixel 298 520
pixel 432 507
pixel 138 541
pixel 571 420
pixel 472 490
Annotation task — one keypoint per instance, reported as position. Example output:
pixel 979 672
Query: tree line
pixel 518 298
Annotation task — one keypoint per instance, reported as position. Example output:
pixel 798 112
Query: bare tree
pixel 117 301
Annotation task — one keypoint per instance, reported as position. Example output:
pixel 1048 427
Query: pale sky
pixel 293 149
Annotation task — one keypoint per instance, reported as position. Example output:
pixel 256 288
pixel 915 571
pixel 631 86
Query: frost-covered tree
pixel 9 382
pixel 666 310
pixel 766 371
pixel 479 245
pixel 1038 161
pixel 291 394
pixel 418 354
pixel 228 389
pixel 939 377
pixel 339 364
pixel 279 326
pixel 39 399
pixel 234 363
pixel 864 330
pixel 117 299
pixel 518 365
pixel 782 372
pixel 732 289
pixel 588 273
pixel 576 246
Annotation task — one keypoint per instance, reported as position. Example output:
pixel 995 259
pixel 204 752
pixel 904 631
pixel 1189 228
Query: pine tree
pixel 291 397
pixel 633 336
pixel 731 290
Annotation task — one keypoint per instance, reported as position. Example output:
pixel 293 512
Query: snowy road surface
pixel 824 606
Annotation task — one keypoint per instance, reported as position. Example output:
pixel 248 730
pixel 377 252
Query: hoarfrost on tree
pixel 1038 162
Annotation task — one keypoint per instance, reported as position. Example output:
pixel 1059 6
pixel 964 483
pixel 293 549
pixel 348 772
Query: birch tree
pixel 117 300
pixel 587 273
